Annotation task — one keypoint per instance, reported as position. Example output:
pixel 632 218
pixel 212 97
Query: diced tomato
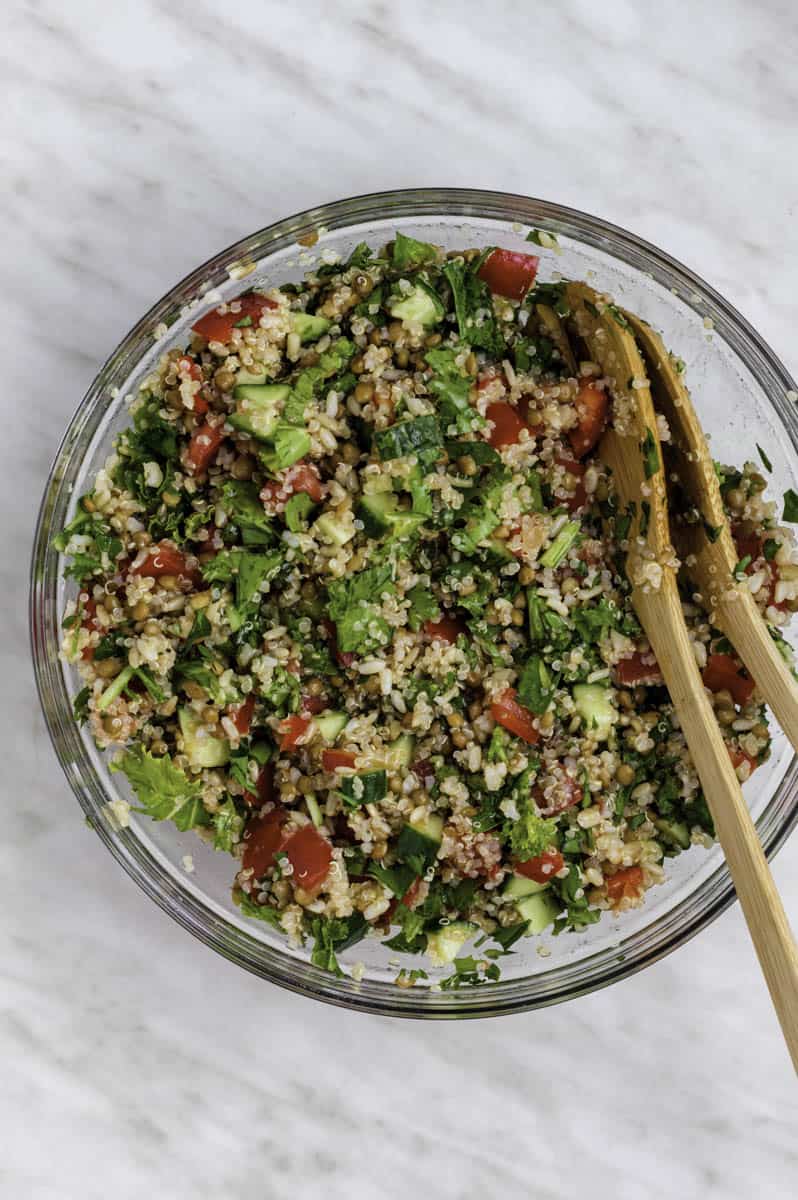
pixel 509 273
pixel 578 497
pixel 310 855
pixel 302 477
pixel 637 668
pixel 626 884
pixel 313 704
pixel 723 672
pixel 423 771
pixel 166 559
pixel 242 717
pixel 308 852
pixel 542 867
pixel 514 717
pixel 507 424
pixel 263 838
pixel 566 795
pixel 410 897
pixel 448 629
pixel 738 757
pixel 203 446
pixel 218 326
pixel 591 407
pixel 333 760
pixel 292 729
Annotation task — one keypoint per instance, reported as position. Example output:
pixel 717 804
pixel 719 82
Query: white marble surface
pixel 138 139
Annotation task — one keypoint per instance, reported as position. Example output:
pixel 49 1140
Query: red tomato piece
pixel 310 855
pixel 739 756
pixel 218 326
pixel 302 477
pixel 205 442
pixel 542 867
pixel 509 273
pixel 410 898
pixel 448 629
pixel 749 545
pixel 242 717
pixel 263 838
pixel 88 622
pixel 507 424
pixel 292 730
pixel 514 717
pixel 166 559
pixel 637 668
pixel 591 407
pixel 313 704
pixel 723 672
pixel 333 760
pixel 626 884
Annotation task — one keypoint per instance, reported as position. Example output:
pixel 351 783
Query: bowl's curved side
pixel 623 950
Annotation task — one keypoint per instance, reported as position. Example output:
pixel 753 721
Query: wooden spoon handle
pixel 756 890
pixel 742 623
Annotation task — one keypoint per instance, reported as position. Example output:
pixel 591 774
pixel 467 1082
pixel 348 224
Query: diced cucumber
pixel 539 910
pixel 400 753
pixel 367 787
pixel 258 408
pixel 331 529
pixel 595 707
pixel 313 809
pixel 309 328
pixel 382 515
pixel 419 306
pixel 413 436
pixel 674 832
pixel 518 886
pixel 444 944
pixel 420 841
pixel 201 749
pixel 330 724
pixel 288 443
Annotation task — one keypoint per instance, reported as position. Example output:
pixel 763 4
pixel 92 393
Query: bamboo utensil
pixel 706 547
pixel 632 450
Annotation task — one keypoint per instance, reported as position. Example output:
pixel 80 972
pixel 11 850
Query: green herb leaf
pixel 536 686
pixel 228 825
pixel 648 448
pixel 164 792
pixel 766 463
pixel 790 506
pixel 333 935
pixel 407 252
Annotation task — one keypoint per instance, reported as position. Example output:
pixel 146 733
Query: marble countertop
pixel 139 139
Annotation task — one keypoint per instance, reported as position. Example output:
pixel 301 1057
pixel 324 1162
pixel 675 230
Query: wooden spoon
pixel 631 449
pixel 706 547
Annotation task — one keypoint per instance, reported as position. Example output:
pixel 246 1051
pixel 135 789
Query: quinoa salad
pixel 351 604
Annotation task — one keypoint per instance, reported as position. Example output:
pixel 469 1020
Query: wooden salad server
pixel 632 451
pixel 706 546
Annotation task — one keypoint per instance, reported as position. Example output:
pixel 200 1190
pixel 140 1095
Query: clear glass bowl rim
pixel 569 980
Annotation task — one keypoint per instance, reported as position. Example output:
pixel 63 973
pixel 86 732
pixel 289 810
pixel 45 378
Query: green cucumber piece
pixel 258 408
pixel 381 516
pixel 309 327
pixel 444 944
pixel 330 724
pixel 539 910
pixel 400 753
pixel 594 705
pixel 367 787
pixel 419 306
pixel 201 749
pixel 332 530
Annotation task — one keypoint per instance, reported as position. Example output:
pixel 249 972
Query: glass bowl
pixel 744 395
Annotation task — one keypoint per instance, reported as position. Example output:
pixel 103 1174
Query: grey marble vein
pixel 136 141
